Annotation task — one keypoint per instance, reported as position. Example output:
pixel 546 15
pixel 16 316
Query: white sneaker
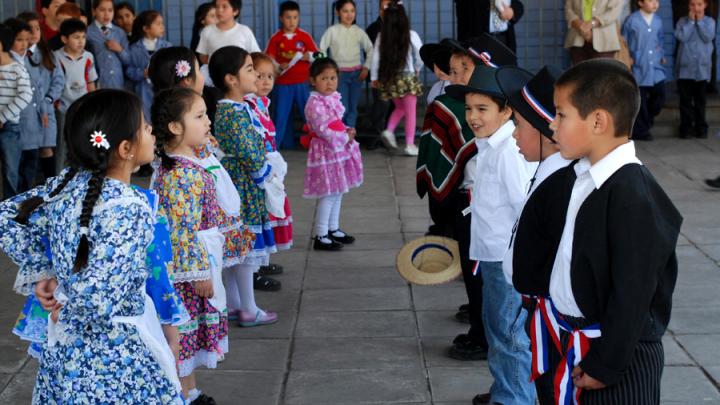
pixel 411 150
pixel 388 139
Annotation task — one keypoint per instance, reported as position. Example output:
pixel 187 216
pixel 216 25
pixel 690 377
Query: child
pixel 598 239
pixel 187 193
pixel 50 24
pixel 241 137
pixel 501 180
pixel 125 17
pixel 643 31
pixel 99 228
pixel 64 12
pixel 109 44
pixel 695 33
pixel 78 66
pixel 282 227
pixel 292 50
pixel 334 163
pixel 40 125
pixel 226 32
pixel 396 64
pixel 206 14
pixel 430 53
pixel 148 37
pixel 345 40
pixel 15 95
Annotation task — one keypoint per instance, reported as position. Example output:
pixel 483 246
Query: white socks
pixel 231 288
pixel 238 281
pixel 327 215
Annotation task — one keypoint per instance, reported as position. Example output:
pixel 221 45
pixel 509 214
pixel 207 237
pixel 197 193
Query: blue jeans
pixel 284 97
pixel 509 354
pixel 349 87
pixel 10 151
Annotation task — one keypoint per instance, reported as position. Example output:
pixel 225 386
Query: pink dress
pixel 334 165
pixel 282 227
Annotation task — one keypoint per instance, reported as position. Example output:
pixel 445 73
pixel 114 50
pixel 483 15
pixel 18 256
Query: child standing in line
pixel 109 44
pixel 241 137
pixel 502 178
pixel 345 40
pixel 695 33
pixel 643 32
pixel 292 50
pixel 396 64
pixel 148 37
pixel 206 14
pixel 226 32
pixel 98 228
pixel 125 17
pixel 334 164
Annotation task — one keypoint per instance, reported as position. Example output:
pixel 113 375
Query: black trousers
pixel 693 98
pixel 652 100
pixel 473 283
pixel 443 215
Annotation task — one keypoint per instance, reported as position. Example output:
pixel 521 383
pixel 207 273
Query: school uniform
pixel 109 64
pixel 599 241
pixel 644 35
pixel 140 54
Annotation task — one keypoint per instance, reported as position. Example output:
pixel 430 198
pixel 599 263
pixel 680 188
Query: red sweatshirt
pixel 283 47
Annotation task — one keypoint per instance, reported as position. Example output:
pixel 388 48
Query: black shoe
pixel 264 283
pixel 685 134
pixel 345 239
pixel 463 314
pixel 467 350
pixel 701 134
pixel 714 183
pixel 270 270
pixel 481 399
pixel 203 400
pixel 332 246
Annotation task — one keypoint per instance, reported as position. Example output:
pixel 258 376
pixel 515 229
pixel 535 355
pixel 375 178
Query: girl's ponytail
pixel 28 206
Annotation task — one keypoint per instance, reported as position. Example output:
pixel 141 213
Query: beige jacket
pixel 605 36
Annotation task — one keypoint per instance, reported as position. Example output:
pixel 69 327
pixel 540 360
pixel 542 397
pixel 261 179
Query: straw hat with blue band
pixel 531 95
pixel 429 260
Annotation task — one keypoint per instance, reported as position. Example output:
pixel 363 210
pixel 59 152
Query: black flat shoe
pixel 463 314
pixel 714 183
pixel 203 400
pixel 345 239
pixel 270 270
pixel 481 399
pixel 467 350
pixel 331 246
pixel 264 283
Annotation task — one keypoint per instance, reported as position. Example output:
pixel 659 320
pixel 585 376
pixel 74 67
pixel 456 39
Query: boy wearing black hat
pixel 596 242
pixel 501 180
pixel 436 58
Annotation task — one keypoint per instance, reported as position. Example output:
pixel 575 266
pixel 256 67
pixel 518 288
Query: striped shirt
pixel 15 92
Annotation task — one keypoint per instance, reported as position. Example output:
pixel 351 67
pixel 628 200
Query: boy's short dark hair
pixel 7 37
pixel 17 26
pixel 71 26
pixel 289 6
pixel 235 4
pixel 604 84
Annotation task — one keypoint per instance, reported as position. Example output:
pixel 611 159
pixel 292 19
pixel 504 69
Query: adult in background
pixel 379 109
pixel 495 17
pixel 592 29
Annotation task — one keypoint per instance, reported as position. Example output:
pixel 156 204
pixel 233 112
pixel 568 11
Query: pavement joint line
pixel 705 372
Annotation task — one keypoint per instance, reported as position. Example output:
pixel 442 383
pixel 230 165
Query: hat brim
pixel 511 80
pixel 429 260
pixel 458 92
pixel 436 55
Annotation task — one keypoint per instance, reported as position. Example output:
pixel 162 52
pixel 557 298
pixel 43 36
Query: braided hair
pixel 169 106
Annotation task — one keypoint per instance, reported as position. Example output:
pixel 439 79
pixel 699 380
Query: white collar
pixel 648 17
pixel 150 44
pixel 290 35
pixel 99 25
pixel 33 48
pixel 607 166
pixel 503 133
pixel 550 165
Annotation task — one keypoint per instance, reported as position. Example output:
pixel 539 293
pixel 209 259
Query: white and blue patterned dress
pixel 95 359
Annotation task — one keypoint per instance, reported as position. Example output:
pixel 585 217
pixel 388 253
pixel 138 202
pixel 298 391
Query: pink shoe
pixel 247 320
pixel 233 314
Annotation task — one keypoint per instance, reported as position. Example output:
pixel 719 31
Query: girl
pixel 260 102
pixel 96 229
pixel 334 164
pixel 125 17
pixel 204 15
pixel 241 137
pixel 147 37
pixel 345 40
pixel 396 64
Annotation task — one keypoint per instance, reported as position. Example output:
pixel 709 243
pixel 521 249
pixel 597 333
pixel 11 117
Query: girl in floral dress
pixel 241 137
pixel 97 229
pixel 334 164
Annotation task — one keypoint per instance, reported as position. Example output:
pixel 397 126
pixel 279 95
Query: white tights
pixel 327 215
pixel 238 281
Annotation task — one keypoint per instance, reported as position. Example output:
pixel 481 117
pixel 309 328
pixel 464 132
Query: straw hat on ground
pixel 429 260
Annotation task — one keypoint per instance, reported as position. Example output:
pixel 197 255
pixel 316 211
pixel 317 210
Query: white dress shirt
pixel 502 178
pixel 589 178
pixel 550 165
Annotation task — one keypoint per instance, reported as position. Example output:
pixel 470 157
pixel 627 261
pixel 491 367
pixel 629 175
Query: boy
pixel 643 32
pixel 292 50
pixel 15 95
pixel 49 23
pixel 436 58
pixel 78 65
pixel 109 45
pixel 64 12
pixel 598 239
pixel 500 185
pixel 695 33
pixel 226 32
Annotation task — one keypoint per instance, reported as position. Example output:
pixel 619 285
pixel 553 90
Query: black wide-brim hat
pixel 530 95
pixel 486 50
pixel 482 81
pixel 436 55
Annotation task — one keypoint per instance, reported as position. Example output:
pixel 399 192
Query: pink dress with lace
pixel 334 165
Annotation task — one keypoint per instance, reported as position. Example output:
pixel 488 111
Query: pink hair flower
pixel 182 69
pixel 98 139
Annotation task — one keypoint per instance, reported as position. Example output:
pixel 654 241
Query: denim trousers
pixel 350 87
pixel 10 152
pixel 509 354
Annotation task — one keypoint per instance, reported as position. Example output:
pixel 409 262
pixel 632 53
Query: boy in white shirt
pixel 226 32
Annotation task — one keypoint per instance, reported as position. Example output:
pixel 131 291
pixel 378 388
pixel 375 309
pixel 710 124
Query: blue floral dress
pixel 95 358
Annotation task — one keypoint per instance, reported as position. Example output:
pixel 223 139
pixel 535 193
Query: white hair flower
pixel 98 139
pixel 182 68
